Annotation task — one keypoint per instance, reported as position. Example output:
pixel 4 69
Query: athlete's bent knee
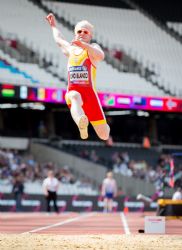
pixel 104 133
pixel 74 95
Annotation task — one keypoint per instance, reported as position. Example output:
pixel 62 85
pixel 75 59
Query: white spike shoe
pixel 83 127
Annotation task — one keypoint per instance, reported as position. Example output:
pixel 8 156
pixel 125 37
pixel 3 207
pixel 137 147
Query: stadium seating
pixel 13 163
pixel 134 33
pixel 105 153
pixel 36 32
pixel 176 26
pixel 16 72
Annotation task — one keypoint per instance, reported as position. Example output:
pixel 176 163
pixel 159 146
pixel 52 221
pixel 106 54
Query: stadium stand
pixel 36 32
pixel 22 163
pixel 162 13
pixel 176 26
pixel 23 73
pixel 13 26
pixel 126 159
pixel 134 33
pixel 126 31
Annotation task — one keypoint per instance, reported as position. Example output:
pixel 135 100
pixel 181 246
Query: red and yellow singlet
pixel 81 78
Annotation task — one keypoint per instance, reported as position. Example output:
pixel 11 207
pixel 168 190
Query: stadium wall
pixel 76 203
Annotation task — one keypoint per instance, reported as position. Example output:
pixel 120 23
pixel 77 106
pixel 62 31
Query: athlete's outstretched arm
pixel 58 37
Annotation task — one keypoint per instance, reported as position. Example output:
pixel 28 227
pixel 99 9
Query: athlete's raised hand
pixel 51 20
pixel 78 43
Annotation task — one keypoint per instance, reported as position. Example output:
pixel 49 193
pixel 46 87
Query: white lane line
pixel 125 224
pixel 60 223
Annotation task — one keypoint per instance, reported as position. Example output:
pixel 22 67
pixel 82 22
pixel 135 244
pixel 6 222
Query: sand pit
pixel 109 242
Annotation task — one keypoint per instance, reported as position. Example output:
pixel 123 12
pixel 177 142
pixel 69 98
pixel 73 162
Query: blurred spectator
pixel 13 163
pixel 125 157
pixel 177 194
pixel 121 164
pixel 85 154
pixel 93 156
pixel 85 182
pixel 66 176
pixel 18 189
pixel 35 172
pixel 42 130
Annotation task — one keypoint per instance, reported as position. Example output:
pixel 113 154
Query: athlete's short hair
pixel 84 24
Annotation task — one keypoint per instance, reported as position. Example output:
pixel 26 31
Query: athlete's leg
pixel 78 113
pixel 110 205
pixel 55 202
pixel 48 200
pixel 105 205
pixel 102 131
pixel 76 105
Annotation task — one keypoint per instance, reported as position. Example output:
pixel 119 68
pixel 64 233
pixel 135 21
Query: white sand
pixel 97 242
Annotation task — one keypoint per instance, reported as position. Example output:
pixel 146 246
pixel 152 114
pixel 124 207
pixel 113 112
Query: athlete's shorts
pixel 91 104
pixel 109 195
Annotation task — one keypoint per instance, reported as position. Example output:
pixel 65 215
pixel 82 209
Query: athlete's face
pixel 110 175
pixel 83 35
pixel 50 174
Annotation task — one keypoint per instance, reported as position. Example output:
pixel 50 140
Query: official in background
pixel 50 187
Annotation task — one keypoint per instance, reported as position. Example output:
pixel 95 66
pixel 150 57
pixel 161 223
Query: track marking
pixel 125 224
pixel 60 223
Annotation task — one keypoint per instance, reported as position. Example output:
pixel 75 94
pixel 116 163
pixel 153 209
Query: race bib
pixel 78 74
